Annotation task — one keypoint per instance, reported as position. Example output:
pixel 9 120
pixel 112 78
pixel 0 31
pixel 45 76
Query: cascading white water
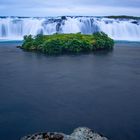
pixel 14 28
pixel 121 29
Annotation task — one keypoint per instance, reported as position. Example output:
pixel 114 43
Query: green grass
pixel 67 43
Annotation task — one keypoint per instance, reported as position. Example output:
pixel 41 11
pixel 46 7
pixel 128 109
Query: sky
pixel 43 8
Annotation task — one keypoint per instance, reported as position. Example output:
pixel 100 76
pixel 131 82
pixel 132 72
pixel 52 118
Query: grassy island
pixel 67 43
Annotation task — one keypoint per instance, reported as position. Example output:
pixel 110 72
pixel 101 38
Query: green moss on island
pixel 67 43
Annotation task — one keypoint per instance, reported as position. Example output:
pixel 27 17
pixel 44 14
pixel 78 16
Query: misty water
pixel 14 28
pixel 59 93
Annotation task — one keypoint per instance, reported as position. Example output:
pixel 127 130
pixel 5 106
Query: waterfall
pixel 14 28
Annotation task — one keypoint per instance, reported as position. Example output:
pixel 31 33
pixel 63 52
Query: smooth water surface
pixel 59 93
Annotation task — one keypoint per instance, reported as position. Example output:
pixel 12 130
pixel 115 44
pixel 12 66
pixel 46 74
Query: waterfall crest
pixel 14 28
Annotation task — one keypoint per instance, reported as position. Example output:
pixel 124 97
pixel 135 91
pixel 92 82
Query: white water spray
pixel 14 28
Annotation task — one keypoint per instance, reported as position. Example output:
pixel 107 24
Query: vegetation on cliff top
pixel 124 17
pixel 67 43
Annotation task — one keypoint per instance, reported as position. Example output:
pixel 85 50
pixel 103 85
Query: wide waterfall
pixel 14 28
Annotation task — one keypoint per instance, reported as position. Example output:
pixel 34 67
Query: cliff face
pixel 81 133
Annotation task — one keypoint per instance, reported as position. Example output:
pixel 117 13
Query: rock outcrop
pixel 81 133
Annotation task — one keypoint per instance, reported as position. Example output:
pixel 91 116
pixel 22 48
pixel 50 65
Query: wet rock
pixel 81 133
pixel 64 18
pixel 135 22
pixel 18 47
pixel 58 27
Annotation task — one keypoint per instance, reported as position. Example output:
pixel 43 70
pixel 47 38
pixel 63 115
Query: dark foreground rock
pixel 81 133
